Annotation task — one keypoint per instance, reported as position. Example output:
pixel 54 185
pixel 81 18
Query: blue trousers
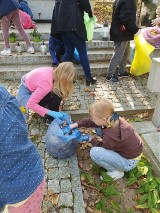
pixel 71 41
pixel 51 101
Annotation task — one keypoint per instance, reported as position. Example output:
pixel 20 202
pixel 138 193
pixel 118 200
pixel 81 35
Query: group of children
pixel 22 180
pixel 21 171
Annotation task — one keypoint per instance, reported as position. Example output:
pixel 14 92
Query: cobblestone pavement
pixel 62 175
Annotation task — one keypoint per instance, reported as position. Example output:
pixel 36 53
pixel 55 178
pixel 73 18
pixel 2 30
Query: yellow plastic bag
pixel 89 24
pixel 141 62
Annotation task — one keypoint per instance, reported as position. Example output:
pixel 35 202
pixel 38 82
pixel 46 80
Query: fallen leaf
pixel 55 199
pixel 92 94
pixel 80 164
pixel 86 89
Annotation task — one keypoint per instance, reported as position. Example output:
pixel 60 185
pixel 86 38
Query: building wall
pixel 42 9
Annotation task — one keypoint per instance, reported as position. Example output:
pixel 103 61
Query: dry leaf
pixel 158 129
pixel 97 211
pixel 73 107
pixel 55 199
pixel 80 164
pixel 86 89
pixel 92 94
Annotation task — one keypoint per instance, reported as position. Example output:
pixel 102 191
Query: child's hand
pixel 74 125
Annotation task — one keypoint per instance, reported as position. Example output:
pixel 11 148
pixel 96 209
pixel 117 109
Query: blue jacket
pixel 21 169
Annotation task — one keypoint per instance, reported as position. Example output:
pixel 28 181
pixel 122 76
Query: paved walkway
pixel 62 175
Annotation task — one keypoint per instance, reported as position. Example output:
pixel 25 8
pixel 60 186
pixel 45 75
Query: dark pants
pixel 71 41
pixel 52 102
pixel 56 48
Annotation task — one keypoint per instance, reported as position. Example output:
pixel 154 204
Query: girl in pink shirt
pixel 43 89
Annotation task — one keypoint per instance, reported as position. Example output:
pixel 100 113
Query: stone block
pixel 65 199
pixel 156 114
pixel 152 150
pixel 153 80
pixel 144 127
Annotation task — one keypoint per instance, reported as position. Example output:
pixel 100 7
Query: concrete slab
pixel 144 127
pixel 152 149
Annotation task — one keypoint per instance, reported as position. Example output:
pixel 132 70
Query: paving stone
pixel 51 162
pixel 62 162
pixel 65 210
pixel 53 186
pixel 64 172
pixel 65 199
pixel 65 185
pixel 144 127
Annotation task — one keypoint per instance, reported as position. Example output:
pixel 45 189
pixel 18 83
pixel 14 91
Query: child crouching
pixel 120 149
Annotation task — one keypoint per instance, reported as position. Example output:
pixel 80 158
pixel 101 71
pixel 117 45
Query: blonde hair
pixel 64 75
pixel 104 109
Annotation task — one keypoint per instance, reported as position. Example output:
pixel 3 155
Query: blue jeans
pixel 111 160
pixel 56 48
pixel 71 41
pixel 51 101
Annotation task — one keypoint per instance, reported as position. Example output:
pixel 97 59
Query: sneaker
pixel 117 174
pixel 114 79
pixel 91 81
pixel 6 52
pixel 108 78
pixel 123 74
pixel 31 50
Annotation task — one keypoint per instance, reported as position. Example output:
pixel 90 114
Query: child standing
pixel 123 28
pixel 21 171
pixel 120 148
pixel 5 22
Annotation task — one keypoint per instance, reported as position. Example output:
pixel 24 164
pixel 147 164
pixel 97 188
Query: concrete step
pixel 151 138
pixel 44 29
pixel 15 72
pixel 94 45
pixel 37 58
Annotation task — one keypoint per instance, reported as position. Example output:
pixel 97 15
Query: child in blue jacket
pixel 21 171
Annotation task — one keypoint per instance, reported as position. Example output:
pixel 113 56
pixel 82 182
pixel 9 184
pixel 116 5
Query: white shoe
pixel 115 174
pixel 6 52
pixel 31 50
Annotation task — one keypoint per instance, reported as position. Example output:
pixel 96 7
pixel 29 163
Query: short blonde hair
pixel 103 109
pixel 158 11
pixel 64 77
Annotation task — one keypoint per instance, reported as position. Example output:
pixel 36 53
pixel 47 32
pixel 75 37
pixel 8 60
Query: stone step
pixel 44 29
pixel 151 138
pixel 15 72
pixel 37 58
pixel 94 45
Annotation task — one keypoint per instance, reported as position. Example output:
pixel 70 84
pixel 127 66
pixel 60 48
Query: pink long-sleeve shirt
pixel 40 82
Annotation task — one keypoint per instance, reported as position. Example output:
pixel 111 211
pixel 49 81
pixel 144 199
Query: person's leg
pixel 124 61
pixel 69 46
pixel 111 160
pixel 72 41
pixel 119 49
pixel 33 203
pixel 5 22
pixel 16 20
pixel 23 96
pixel 52 102
pixel 52 49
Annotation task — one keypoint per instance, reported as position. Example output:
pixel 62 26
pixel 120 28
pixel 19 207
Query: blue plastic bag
pixel 76 55
pixel 59 144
